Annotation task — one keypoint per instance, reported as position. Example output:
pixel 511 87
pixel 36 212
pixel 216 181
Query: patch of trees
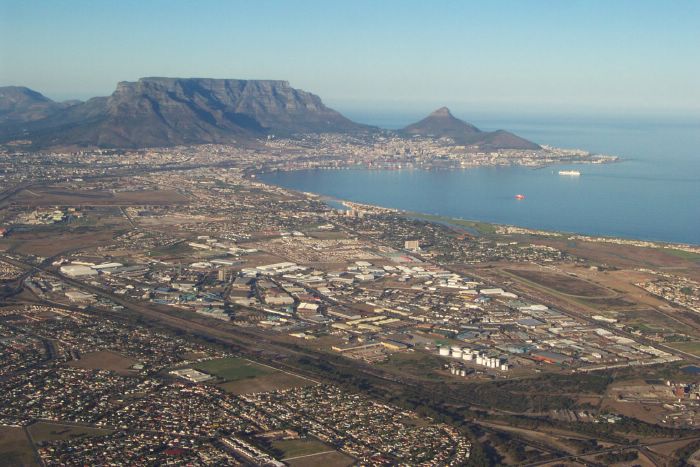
pixel 616 457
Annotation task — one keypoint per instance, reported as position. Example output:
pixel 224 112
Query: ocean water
pixel 653 194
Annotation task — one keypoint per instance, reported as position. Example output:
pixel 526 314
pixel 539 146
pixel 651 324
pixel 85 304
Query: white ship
pixel 571 173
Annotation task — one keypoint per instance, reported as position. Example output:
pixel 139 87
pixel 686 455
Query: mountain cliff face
pixel 442 124
pixel 171 111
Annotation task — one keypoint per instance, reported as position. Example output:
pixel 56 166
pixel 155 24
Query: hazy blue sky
pixel 518 56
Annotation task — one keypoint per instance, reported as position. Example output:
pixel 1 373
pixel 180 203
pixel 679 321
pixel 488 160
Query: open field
pixel 15 448
pixel 609 303
pixel 105 360
pixel 43 431
pixel 52 243
pixel 668 449
pixel 626 256
pixel 325 235
pixel 690 347
pixel 271 382
pixel 233 368
pixel 52 196
pixel 419 364
pixel 482 228
pixel 326 459
pixel 650 320
pixel 562 283
pixel 242 376
pixel 300 447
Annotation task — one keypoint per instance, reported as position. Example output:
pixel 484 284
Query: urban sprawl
pixel 166 307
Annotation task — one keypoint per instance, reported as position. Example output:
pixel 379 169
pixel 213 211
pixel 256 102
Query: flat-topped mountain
pixel 170 111
pixel 442 124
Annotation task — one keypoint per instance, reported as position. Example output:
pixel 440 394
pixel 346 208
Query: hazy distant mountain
pixel 20 104
pixel 169 111
pixel 442 123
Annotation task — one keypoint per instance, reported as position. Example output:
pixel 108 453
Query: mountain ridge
pixel 442 124
pixel 162 111
pixel 157 111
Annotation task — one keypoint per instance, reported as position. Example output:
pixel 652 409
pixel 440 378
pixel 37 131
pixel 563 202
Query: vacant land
pixel 652 321
pixel 105 360
pixel 242 376
pixel 42 432
pixel 325 235
pixel 233 368
pixel 326 459
pixel 300 447
pixel 63 197
pixel 272 382
pixel 51 242
pixel 15 448
pixel 607 304
pixel 562 283
pixel 690 347
pixel 418 364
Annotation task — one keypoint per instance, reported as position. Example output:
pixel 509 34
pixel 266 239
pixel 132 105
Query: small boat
pixel 519 196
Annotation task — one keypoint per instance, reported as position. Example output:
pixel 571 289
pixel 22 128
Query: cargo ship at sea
pixel 570 173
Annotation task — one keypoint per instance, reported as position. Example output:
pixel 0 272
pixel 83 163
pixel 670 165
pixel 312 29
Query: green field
pixel 690 347
pixel 481 227
pixel 42 431
pixel 689 255
pixel 240 376
pixel 271 382
pixel 300 447
pixel 326 459
pixel 15 448
pixel 233 368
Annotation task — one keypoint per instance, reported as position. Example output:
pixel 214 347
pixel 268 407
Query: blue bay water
pixel 654 194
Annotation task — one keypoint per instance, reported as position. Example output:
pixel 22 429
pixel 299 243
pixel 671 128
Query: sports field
pixel 242 376
pixel 233 368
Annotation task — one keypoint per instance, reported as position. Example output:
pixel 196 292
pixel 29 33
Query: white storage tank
pixel 456 353
pixel 444 351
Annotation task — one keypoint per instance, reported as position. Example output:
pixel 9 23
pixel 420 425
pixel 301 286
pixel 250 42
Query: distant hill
pixel 168 111
pixel 442 124
pixel 20 104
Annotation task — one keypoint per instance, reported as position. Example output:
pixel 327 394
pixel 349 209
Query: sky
pixel 380 57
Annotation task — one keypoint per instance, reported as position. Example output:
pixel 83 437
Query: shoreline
pixel 490 228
